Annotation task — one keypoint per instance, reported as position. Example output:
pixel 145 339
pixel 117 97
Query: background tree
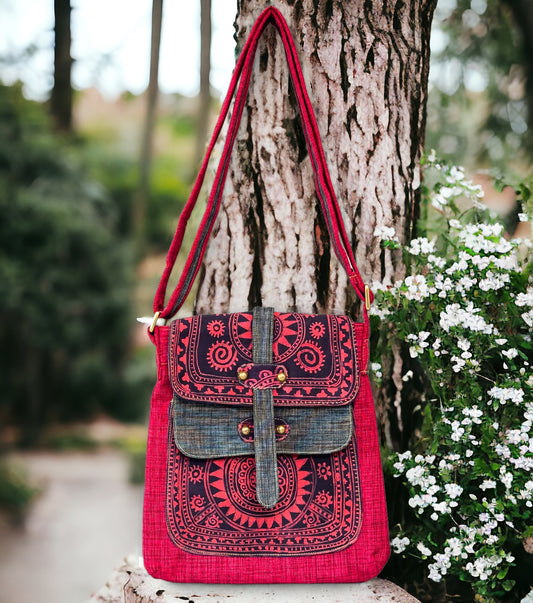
pixel 64 281
pixel 205 86
pixel 145 165
pixel 366 66
pixel 61 98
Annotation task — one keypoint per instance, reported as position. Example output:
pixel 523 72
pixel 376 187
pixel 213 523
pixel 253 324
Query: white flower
pixel 493 282
pixel 419 343
pixel 487 484
pixel 457 431
pixel 525 299
pixel 405 456
pixel 456 174
pixel 527 317
pixel 382 313
pixel 434 573
pixel 417 287
pixel 523 217
pixel 453 490
pixel 439 201
pixel 510 353
pixel 458 363
pixel 423 549
pixel 474 413
pixel 407 376
pixel 463 344
pixel 454 316
pixel 376 369
pixel 421 245
pixel 399 544
pixel 466 282
pixel 432 157
pixel 436 261
pixel 506 479
pixel 385 233
pixel 504 394
pixel 454 547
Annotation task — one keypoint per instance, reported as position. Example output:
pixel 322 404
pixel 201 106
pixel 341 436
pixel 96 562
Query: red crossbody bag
pixel 263 461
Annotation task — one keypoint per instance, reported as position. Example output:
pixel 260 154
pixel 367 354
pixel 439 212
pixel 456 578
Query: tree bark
pixel 61 98
pixel 205 87
pixel 145 164
pixel 366 66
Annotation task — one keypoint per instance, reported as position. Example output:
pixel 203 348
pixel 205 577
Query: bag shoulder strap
pixel 239 87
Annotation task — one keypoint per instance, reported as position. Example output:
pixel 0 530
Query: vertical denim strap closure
pixel 266 464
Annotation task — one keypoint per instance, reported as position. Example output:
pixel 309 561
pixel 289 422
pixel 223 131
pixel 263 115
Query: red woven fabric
pixel 357 563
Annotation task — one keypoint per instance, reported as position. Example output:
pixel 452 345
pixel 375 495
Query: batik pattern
pixel 318 353
pixel 212 506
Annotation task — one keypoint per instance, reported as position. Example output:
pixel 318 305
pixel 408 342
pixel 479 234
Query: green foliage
pixel 119 174
pixel 465 313
pixel 16 492
pixel 64 278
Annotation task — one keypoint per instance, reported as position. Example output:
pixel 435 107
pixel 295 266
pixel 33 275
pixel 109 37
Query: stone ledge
pixel 130 583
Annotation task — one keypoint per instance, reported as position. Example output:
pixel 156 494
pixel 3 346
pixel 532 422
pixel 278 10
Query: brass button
pixel 243 375
pixel 281 377
pixel 281 429
pixel 245 430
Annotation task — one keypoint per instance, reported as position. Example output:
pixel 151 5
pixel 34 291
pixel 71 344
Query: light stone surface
pixel 131 584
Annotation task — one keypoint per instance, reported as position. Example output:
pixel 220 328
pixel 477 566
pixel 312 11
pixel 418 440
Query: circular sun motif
pixel 323 470
pixel 317 330
pixel 213 521
pixel 240 333
pixel 289 332
pixel 324 499
pixel 222 356
pixel 310 357
pixel 196 474
pixel 197 502
pixel 232 490
pixel 215 328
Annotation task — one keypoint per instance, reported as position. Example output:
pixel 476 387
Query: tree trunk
pixel 205 87
pixel 523 16
pixel 61 98
pixel 145 167
pixel 366 66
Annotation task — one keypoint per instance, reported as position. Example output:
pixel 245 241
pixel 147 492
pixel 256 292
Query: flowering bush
pixel 465 312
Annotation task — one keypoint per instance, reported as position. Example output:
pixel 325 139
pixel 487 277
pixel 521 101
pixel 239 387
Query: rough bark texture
pixel 366 67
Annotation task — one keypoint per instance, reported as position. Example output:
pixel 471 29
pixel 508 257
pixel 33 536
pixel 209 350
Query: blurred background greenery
pixel 88 210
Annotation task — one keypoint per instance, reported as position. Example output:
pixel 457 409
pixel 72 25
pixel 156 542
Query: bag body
pixel 263 461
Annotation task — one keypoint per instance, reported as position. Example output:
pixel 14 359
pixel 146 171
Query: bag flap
pixel 316 352
pixel 215 431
